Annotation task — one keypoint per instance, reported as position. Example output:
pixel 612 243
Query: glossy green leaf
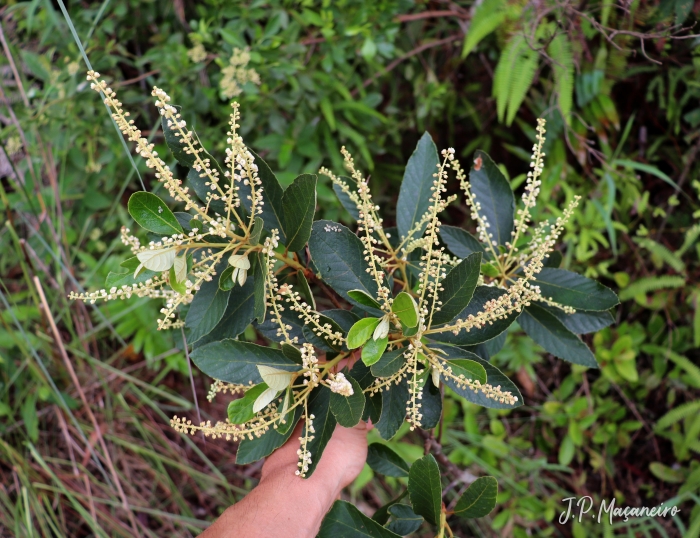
pixel 545 329
pixel 405 521
pixel 381 515
pixel 373 350
pixel 206 310
pixel 393 410
pixel 344 197
pixel 460 242
pixel 324 424
pixel 272 193
pixel 241 409
pixel 225 279
pixel 491 189
pixel 479 499
pixel 237 316
pixel 348 410
pixel 474 336
pixel 493 376
pixel 345 521
pixel 384 460
pixel 361 332
pixel 425 488
pixel 151 213
pixel 581 322
pixel 305 290
pixel 389 363
pixel 299 206
pixel 571 289
pixel 457 289
pixel 405 308
pixel 237 362
pixel 431 405
pixel 250 450
pixel 415 193
pixel 256 231
pixel 364 299
pixel 338 255
pixel 258 269
pixel 117 280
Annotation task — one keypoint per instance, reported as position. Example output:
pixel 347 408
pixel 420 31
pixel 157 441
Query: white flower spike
pixel 241 264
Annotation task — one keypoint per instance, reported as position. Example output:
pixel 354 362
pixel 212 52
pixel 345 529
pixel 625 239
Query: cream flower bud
pixel 241 264
pixel 340 385
pixel 382 329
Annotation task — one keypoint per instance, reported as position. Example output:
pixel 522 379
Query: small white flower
pixel 241 264
pixel 340 385
pixel 382 329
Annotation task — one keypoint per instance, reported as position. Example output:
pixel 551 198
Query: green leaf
pixel 118 280
pixel 348 410
pixel 487 18
pixel 431 405
pixel 491 189
pixel 272 193
pixel 241 410
pixel 389 363
pixel 482 294
pixel 493 375
pixel 237 316
pixel 206 310
pixel 362 298
pixel 250 450
pixel 581 322
pixel 345 521
pixel 373 350
pixel 381 515
pixel 225 279
pixel 571 289
pixel 554 337
pixel 425 488
pixel 305 289
pixel 199 185
pixel 460 242
pixel 479 499
pixel 344 197
pixel 406 521
pixel 648 169
pixel 292 353
pixel 406 309
pixel 393 409
pixel 567 450
pixel 457 289
pixel 324 424
pixel 415 193
pixel 373 402
pixel 237 362
pixel 384 460
pixel 361 331
pixel 288 417
pixel 299 206
pixel 338 255
pixel 256 231
pixel 466 367
pixel 151 213
pixel 258 269
pixel 323 341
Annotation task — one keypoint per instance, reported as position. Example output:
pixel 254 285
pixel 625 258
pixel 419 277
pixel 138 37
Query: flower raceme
pixel 422 304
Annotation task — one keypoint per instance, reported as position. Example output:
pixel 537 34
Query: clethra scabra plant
pixel 416 307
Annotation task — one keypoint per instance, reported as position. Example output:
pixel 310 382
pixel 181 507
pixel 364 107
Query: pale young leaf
pixel 275 379
pixel 180 266
pixel 156 260
pixel 265 398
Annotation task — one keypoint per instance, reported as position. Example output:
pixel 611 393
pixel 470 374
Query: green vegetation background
pixel 621 98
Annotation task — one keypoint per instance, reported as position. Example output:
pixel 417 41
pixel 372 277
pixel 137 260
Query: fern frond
pixel 488 17
pixel 661 252
pixel 517 71
pixel 676 415
pixel 560 51
pixel 690 237
pixel 652 283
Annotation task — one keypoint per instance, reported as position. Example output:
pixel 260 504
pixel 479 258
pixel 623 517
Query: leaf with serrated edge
pixel 416 186
pixel 457 289
pixel 389 363
pixel 348 409
pixel 479 499
pixel 345 521
pixel 299 205
pixel 405 309
pixel 151 213
pixel 491 189
pixel 571 289
pixel 425 488
pixel 361 331
pixel 384 460
pixel 545 329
